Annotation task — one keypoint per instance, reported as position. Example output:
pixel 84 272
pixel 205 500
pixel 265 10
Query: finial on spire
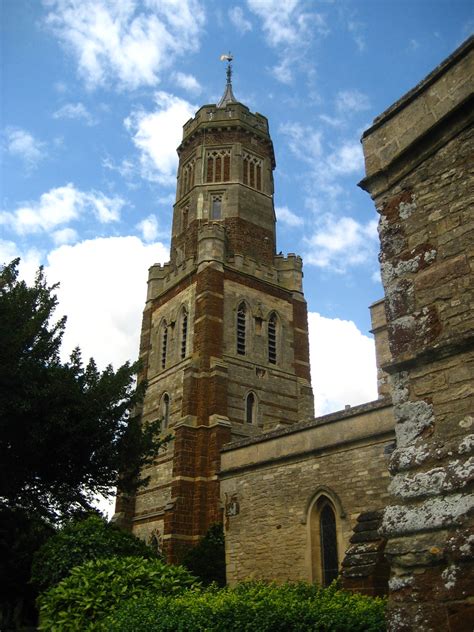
pixel 228 96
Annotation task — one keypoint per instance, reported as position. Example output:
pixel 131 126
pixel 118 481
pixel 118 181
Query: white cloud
pixel 95 276
pixel 285 216
pixel 75 111
pixel 126 168
pixel 342 242
pixel 327 164
pixel 348 158
pixel 304 141
pixel 23 145
pixel 240 22
pixel 64 236
pixel 125 42
pixel 343 368
pixel 61 205
pixel 149 228
pixel 290 27
pixel 157 134
pixel 356 28
pixel 348 101
pixel 333 121
pixel 188 82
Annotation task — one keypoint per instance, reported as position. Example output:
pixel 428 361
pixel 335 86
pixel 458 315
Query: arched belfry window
pixel 252 171
pixel 184 333
pixel 241 328
pixel 164 343
pixel 165 411
pixel 250 408
pixel 187 177
pixel 218 165
pixel 272 338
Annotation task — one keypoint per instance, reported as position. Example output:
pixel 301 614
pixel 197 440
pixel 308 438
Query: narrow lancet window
pixel 218 176
pixel 241 322
pixel 259 178
pixel 328 535
pixel 165 411
pixel 216 207
pixel 272 341
pixel 164 345
pixel 250 408
pixel 210 169
pixel 184 334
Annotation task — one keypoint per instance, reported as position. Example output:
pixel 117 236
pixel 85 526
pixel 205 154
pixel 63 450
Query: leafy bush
pixel 92 590
pixel 207 559
pixel 79 542
pixel 252 607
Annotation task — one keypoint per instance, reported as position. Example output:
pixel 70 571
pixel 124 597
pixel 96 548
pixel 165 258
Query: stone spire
pixel 228 96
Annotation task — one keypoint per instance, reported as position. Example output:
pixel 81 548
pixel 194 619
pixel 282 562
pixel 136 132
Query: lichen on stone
pixel 434 513
pixel 406 209
pixel 449 576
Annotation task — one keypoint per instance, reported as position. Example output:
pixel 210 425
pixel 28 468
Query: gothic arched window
pixel 241 328
pixel 184 218
pixel 187 177
pixel 164 344
pixel 218 165
pixel 324 540
pixel 184 333
pixel 165 411
pixel 252 171
pixel 272 338
pixel 250 408
pixel 328 536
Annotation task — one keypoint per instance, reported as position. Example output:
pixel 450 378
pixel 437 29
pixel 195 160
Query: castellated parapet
pixel 286 272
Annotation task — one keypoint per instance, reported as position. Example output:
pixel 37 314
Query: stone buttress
pixel 419 166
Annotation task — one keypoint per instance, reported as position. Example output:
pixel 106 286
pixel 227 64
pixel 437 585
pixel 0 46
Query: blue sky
pixel 94 96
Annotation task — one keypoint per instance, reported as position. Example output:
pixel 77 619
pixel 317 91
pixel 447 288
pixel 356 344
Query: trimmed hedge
pixel 252 607
pixel 78 542
pixel 93 590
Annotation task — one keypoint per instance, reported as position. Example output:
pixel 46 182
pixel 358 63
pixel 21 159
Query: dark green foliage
pixel 81 541
pixel 207 559
pixel 254 607
pixel 20 536
pixel 93 590
pixel 65 429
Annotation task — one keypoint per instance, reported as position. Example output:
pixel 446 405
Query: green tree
pixel 80 541
pixel 66 430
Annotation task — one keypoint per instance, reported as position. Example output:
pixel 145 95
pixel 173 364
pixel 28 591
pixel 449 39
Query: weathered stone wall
pixel 420 174
pixel 269 485
pixel 382 347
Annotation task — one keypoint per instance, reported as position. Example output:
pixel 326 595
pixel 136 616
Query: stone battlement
pixel 286 272
pixel 212 116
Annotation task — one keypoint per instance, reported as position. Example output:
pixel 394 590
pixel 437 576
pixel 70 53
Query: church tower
pixel 224 340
